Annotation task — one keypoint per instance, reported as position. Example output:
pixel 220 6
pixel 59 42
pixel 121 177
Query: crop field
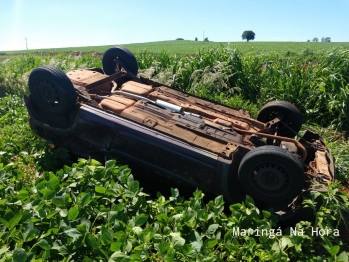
pixel 55 209
pixel 187 47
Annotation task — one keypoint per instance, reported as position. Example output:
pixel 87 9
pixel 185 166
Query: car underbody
pixel 170 136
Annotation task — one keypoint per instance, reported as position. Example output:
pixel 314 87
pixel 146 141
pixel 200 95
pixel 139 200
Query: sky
pixel 74 23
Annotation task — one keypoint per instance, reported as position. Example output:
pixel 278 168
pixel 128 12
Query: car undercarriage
pixel 170 136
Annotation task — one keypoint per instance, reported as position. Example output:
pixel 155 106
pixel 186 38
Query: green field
pixel 192 47
pixel 54 210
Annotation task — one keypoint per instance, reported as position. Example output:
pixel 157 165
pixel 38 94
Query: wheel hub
pixel 47 92
pixel 283 120
pixel 270 177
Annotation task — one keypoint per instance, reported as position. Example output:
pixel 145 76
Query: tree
pixel 196 39
pixel 248 35
pixel 326 39
pixel 315 39
pixel 206 39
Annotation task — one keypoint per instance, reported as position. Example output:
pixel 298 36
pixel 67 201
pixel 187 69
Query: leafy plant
pixel 89 212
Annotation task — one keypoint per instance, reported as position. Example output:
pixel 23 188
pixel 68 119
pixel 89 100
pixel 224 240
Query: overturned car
pixel 172 138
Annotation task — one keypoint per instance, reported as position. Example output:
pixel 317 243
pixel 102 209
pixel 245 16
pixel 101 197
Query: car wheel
pixel 52 90
pixel 271 175
pixel 119 57
pixel 292 117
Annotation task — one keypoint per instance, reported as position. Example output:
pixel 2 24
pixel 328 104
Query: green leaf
pixel 162 218
pixel 92 241
pixel 136 258
pixel 30 234
pixel 343 257
pixel 177 240
pixel 44 244
pixel 82 228
pixel 41 184
pixel 47 193
pixel 8 215
pixel 163 247
pixel 63 250
pixel 134 187
pixel 73 232
pixel 42 213
pixel 196 245
pixel 23 194
pixel 19 255
pixel 115 246
pixel 73 213
pixel 59 201
pixel 100 189
pixel 266 214
pixel 170 255
pixel 51 231
pixel 94 162
pixel 157 238
pixel 86 259
pixel 137 230
pixel 249 200
pixel 3 250
pixel 112 192
pixel 54 182
pixel 63 213
pixel 275 247
pixel 198 194
pixel 85 200
pixel 212 242
pixel 87 223
pixel 118 256
pixel 4 222
pixel 14 221
pixel 333 250
pixel 110 163
pixel 209 259
pixel 218 201
pixel 141 219
pixel 285 241
pixel 51 215
pixel 107 236
pixel 174 192
pixel 212 229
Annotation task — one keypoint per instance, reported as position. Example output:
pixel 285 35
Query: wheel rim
pixel 49 93
pixel 270 178
pixel 274 114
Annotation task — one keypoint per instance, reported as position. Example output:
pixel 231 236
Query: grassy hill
pixel 192 47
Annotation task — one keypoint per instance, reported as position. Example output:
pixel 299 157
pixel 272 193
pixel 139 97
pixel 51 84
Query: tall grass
pixel 316 83
pixel 14 70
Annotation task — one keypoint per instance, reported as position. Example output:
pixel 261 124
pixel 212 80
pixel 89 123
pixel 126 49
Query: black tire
pixel 271 175
pixel 292 117
pixel 119 57
pixel 52 90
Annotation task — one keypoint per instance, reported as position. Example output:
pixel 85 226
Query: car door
pixel 161 161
